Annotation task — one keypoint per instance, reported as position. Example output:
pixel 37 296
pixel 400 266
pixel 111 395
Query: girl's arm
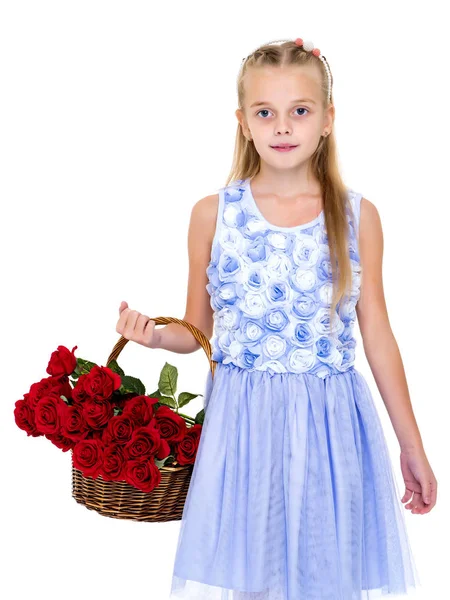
pixel 199 312
pixel 380 345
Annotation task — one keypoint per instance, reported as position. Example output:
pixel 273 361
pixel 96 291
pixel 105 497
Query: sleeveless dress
pixel 292 494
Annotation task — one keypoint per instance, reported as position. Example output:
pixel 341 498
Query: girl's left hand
pixel 420 480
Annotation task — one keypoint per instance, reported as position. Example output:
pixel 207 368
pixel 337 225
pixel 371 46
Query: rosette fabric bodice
pixel 271 287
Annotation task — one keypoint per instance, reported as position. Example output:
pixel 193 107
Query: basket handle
pixel 199 336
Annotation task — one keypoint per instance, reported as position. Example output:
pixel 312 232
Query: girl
pixel 292 495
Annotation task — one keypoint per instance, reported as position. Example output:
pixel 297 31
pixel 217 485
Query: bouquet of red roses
pixel 105 417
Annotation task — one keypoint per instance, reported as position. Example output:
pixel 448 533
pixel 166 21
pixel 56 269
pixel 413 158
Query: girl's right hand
pixel 136 327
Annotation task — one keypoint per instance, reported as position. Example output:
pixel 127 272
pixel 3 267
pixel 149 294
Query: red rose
pixel 49 413
pixel 73 424
pixel 146 441
pixel 24 417
pixel 60 441
pixel 79 394
pixel 143 474
pixel 97 412
pixel 171 426
pixel 140 409
pixel 88 457
pixel 101 382
pixel 65 388
pixel 62 362
pixel 113 463
pixel 43 388
pixel 163 450
pixel 186 450
pixel 119 430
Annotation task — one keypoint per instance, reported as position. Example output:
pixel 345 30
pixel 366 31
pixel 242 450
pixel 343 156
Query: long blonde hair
pixel 323 163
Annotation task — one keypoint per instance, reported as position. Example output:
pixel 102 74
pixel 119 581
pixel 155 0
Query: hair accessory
pixel 309 47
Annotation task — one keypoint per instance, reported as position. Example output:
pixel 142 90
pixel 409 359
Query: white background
pixel 116 117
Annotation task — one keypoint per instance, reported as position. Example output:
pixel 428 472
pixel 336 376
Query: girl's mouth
pixel 283 148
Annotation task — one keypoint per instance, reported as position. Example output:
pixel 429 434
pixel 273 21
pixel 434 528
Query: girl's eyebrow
pixel 259 103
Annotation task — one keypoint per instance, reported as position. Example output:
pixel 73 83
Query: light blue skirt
pixel 292 495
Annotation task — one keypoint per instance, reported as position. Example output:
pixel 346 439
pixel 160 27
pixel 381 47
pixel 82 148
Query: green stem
pixel 187 417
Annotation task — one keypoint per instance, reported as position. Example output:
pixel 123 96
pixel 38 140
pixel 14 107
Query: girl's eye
pixel 265 110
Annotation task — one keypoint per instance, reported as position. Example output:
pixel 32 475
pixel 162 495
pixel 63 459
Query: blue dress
pixel 292 495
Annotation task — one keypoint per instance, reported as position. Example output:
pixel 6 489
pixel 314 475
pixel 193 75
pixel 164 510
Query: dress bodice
pixel 271 288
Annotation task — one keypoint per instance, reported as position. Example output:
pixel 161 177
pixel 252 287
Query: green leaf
pixel 168 401
pixel 165 462
pixel 168 380
pixel 117 411
pixel 185 397
pixel 132 385
pixel 83 366
pixel 65 399
pixel 114 366
pixel 200 417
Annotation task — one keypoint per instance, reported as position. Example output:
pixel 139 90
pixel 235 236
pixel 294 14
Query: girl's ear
pixel 241 118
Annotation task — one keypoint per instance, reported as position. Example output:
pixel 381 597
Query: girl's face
pixel 283 105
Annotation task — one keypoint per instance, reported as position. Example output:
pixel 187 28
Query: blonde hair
pixel 323 163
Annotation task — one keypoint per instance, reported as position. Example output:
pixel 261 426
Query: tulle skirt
pixel 292 495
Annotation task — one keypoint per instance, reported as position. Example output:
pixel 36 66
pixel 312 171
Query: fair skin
pixel 282 120
pixel 288 195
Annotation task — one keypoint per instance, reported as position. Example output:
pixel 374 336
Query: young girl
pixel 292 495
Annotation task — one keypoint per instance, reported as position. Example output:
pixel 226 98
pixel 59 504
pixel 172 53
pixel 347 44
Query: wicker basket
pixel 119 499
